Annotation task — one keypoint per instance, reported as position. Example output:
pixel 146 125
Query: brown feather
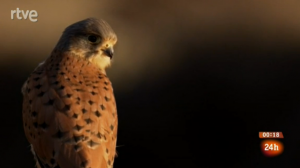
pixel 72 124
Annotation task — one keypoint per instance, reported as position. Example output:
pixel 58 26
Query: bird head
pixel 93 39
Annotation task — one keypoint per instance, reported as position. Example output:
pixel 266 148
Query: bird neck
pixel 71 63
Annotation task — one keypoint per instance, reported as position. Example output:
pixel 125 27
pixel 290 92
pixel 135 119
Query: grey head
pixel 91 38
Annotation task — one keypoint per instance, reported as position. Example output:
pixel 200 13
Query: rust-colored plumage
pixel 69 110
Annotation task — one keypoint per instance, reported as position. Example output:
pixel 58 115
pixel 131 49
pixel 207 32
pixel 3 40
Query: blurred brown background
pixel 193 80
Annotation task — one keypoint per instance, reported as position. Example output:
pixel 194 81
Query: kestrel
pixel 69 109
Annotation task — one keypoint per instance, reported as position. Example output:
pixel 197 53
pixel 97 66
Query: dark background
pixel 195 81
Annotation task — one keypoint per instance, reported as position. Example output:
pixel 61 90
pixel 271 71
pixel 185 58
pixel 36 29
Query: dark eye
pixel 93 38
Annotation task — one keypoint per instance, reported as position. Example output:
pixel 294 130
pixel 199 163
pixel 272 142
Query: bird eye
pixel 93 38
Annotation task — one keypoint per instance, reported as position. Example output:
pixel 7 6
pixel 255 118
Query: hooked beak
pixel 109 52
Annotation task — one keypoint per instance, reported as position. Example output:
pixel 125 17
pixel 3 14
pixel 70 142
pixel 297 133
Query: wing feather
pixel 69 114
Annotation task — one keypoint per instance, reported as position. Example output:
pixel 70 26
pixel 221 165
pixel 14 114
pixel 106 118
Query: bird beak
pixel 109 52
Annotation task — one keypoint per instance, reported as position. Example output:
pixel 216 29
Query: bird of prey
pixel 69 109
